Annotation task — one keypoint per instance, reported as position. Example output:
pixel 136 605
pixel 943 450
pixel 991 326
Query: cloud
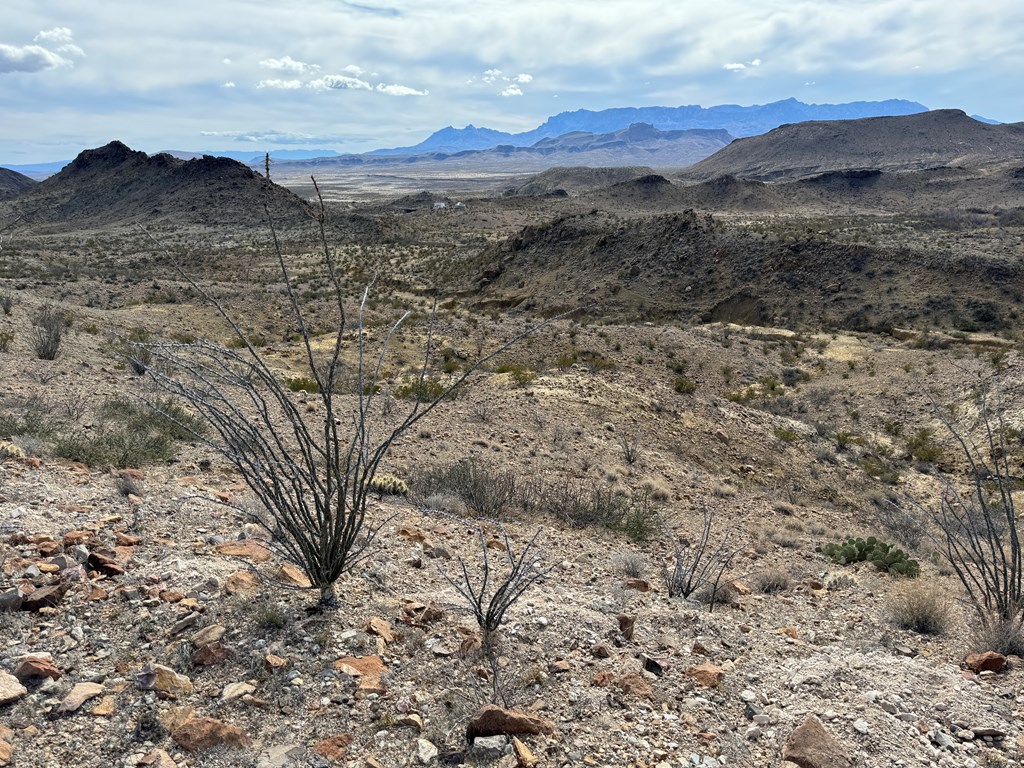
pixel 755 63
pixel 225 60
pixel 57 46
pixel 284 85
pixel 491 75
pixel 271 137
pixel 29 58
pixel 228 84
pixel 524 78
pixel 734 67
pixel 55 35
pixel 399 90
pixel 352 69
pixel 339 83
pixel 512 90
pixel 288 64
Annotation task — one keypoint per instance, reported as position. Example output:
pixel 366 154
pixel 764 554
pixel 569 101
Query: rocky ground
pixel 146 623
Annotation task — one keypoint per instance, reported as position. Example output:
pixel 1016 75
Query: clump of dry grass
pixel 920 608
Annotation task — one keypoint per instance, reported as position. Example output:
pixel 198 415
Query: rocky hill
pixel 116 185
pixel 913 142
pixel 12 182
pixel 691 267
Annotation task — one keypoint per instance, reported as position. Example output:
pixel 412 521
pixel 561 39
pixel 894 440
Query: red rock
pixel 198 733
pixel 242 583
pixel 291 576
pixel 524 756
pixel 105 563
pixel 626 625
pixel 78 695
pixel 44 597
pixel 640 585
pixel 559 667
pixel 334 749
pixel 368 669
pixel 707 675
pixel 811 746
pixel 601 651
pixel 274 663
pixel 250 549
pixel 35 667
pixel 124 540
pixel 6 753
pixel 211 654
pixel 379 627
pixel 492 720
pixel 989 661
pixel 157 758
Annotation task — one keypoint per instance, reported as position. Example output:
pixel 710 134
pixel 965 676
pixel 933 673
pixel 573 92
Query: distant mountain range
pixel 736 120
pixel 637 144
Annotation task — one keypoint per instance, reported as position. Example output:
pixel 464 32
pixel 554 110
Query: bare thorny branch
pixel 312 478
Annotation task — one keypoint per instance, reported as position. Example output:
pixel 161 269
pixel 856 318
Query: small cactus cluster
pixel 388 485
pixel 10 451
pixel 884 556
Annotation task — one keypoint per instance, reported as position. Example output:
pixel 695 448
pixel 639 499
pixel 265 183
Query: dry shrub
pixel 922 609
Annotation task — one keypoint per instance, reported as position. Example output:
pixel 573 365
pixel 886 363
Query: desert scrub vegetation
pixel 7 301
pixel 698 564
pixel 980 535
pixel 128 434
pixel 920 608
pixel 49 323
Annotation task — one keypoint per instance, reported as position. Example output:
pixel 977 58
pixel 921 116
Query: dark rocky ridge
pixel 115 185
pixel 12 182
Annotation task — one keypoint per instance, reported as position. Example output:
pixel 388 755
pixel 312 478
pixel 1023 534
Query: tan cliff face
pixel 777 361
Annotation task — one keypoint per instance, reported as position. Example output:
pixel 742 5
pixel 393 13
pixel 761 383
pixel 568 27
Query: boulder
pixel 11 689
pixel 989 661
pixel 811 746
pixel 708 675
pixel 78 695
pixel 492 720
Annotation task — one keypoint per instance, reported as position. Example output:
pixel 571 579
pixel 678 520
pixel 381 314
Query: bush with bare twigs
pixel 311 470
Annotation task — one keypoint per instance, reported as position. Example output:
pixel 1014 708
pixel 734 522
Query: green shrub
pixel 520 375
pixel 786 435
pixel 303 384
pixel 922 446
pixel 884 556
pixel 685 386
pixel 426 389
pixel 6 337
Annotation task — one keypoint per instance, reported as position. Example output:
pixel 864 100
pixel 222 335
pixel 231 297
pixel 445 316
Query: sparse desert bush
pixel 302 384
pixel 685 386
pixel 920 608
pixel 6 337
pixel 772 582
pixel 923 447
pixel 632 564
pixel 1005 636
pixel 488 492
pixel 7 301
pixel 50 324
pixel 422 389
pixel 902 523
pixel 520 375
pixel 698 565
pixel 630 446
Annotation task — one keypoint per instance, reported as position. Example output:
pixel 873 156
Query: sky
pixel 355 76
